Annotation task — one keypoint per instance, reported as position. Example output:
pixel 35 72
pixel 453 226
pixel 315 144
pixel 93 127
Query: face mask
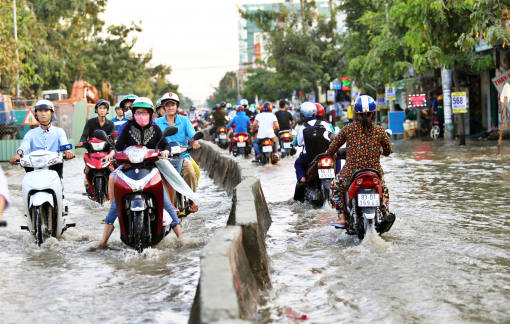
pixel 129 115
pixel 142 120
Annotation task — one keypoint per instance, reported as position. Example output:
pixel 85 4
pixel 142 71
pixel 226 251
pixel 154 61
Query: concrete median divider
pixel 234 264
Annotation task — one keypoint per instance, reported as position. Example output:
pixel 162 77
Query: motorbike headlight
pixel 136 154
pixel 98 146
pixel 38 161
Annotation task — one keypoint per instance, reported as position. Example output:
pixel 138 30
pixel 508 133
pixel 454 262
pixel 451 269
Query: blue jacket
pixel 185 130
pixel 241 121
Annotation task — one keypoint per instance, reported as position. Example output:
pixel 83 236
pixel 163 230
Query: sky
pixel 198 39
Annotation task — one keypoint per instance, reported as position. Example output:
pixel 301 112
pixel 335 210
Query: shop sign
pixel 390 93
pixel 459 102
pixel 381 101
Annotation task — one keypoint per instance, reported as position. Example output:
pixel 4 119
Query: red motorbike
pixel 221 137
pixel 241 144
pixel 194 122
pixel 139 195
pixel 97 171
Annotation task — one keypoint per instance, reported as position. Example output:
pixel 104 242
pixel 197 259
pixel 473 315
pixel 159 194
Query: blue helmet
pixel 364 104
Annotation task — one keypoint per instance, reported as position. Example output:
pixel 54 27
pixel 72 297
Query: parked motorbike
pixel 97 172
pixel 221 137
pixel 42 195
pixel 139 195
pixel 267 152
pixel 430 125
pixel 241 144
pixel 285 139
pixel 181 202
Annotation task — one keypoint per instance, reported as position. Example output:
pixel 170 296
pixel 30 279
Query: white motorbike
pixel 42 195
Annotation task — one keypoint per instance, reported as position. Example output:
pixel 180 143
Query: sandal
pixel 337 225
pixel 192 209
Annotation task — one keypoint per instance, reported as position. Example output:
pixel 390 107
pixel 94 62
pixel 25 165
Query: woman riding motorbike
pixel 364 140
pixel 141 131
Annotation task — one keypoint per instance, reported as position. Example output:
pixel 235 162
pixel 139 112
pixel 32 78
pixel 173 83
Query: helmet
pixel 170 96
pixel 102 102
pixel 267 106
pixel 44 104
pixel 229 106
pixel 244 102
pixel 308 109
pixel 321 112
pixel 425 112
pixel 217 106
pixel 192 108
pixel 240 108
pixel 143 102
pixel 117 105
pixel 129 97
pixel 180 111
pixel 364 104
pixel 159 104
pixel 223 104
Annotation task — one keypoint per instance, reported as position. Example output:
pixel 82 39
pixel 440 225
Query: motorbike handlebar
pixel 3 224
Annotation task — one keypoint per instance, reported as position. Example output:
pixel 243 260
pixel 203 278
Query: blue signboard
pixel 396 121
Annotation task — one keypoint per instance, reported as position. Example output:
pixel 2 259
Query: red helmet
pixel 240 108
pixel 180 111
pixel 321 112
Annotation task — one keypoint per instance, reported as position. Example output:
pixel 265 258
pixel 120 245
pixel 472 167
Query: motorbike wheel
pixel 98 183
pixel 139 227
pixel 38 225
pixel 361 228
pixel 434 132
pixel 263 159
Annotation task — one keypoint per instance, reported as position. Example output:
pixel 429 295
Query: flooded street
pixel 64 282
pixel 446 259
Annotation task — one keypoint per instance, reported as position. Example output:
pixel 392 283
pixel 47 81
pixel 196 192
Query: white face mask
pixel 129 115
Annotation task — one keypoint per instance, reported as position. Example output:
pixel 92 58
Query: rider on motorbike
pixel 217 119
pixel 100 122
pixel 160 110
pixel 192 113
pixel 266 123
pixel 120 118
pixel 126 103
pixel 141 132
pixel 241 122
pixel 285 119
pixel 364 140
pixel 184 134
pixel 45 137
pixel 308 114
pixel 231 111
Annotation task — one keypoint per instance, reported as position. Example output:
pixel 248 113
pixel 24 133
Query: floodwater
pixel 62 281
pixel 446 259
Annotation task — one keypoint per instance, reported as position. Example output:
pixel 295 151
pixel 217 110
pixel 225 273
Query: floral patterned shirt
pixel 362 150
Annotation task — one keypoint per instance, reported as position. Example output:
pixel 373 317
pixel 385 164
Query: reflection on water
pixel 63 282
pixel 446 259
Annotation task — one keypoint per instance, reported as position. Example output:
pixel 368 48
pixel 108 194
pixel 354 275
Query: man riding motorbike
pixel 241 122
pixel 244 103
pixel 231 111
pixel 284 117
pixel 266 123
pixel 45 137
pixel 160 110
pixel 364 140
pixel 192 113
pixel 120 118
pixel 218 119
pixel 308 115
pixel 100 122
pixel 140 132
pixel 184 134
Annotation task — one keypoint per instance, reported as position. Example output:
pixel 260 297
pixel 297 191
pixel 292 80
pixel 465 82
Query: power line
pixel 206 67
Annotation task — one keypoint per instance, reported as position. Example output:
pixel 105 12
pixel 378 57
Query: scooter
pixel 139 195
pixel 267 152
pixel 241 144
pixel 221 137
pixel 319 176
pixel 97 171
pixel 181 202
pixel 42 195
pixel 285 140
pixel 194 122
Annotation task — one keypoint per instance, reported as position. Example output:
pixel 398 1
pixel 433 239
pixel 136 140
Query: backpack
pixel 315 143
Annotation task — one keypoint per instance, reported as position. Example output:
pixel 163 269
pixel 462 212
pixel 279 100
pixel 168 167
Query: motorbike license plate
pixel 223 136
pixel 368 200
pixel 326 173
pixel 287 145
pixel 176 150
pixel 267 149
pixel 241 144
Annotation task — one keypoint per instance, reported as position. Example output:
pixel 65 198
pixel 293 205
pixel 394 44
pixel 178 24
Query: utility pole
pixel 446 79
pixel 16 39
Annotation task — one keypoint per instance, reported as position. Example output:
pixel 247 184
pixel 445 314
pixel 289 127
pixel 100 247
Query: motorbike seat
pixel 369 171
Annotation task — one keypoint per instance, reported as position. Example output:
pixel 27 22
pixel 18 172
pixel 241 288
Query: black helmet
pixel 216 106
pixel 223 104
pixel 267 106
pixel 102 102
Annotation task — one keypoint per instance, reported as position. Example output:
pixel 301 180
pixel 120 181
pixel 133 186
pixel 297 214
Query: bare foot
pixel 193 208
pixel 341 219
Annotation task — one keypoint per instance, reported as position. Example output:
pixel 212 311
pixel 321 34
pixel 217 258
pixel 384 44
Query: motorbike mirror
pixel 170 130
pixel 114 134
pixel 100 134
pixel 198 136
pixel 66 147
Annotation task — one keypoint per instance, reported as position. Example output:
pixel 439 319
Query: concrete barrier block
pixel 227 289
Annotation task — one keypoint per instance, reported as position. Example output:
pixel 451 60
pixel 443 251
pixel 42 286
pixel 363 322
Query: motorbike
pixel 241 144
pixel 285 140
pixel 194 122
pixel 267 152
pixel 221 137
pixel 430 126
pixel 139 195
pixel 181 202
pixel 42 194
pixel 96 171
pixel 319 176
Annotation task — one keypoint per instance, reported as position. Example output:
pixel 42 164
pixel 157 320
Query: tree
pixel 9 62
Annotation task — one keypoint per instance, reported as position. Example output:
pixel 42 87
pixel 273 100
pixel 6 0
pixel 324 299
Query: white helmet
pixel 44 104
pixel 244 102
pixel 308 109
pixel 170 96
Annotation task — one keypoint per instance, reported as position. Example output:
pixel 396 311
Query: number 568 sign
pixel 459 102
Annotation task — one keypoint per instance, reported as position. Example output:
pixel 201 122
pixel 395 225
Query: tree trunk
pixel 462 133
